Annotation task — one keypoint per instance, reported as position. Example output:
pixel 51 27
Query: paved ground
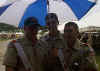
pixel 3 46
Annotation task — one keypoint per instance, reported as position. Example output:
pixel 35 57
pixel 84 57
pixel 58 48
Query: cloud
pixel 2 2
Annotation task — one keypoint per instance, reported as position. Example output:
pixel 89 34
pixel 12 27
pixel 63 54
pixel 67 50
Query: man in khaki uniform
pixel 77 56
pixel 12 59
pixel 50 44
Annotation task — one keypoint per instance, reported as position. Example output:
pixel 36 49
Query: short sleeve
pixel 91 59
pixel 10 58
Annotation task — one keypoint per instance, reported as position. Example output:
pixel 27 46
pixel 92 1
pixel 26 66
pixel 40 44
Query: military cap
pixel 52 16
pixel 31 21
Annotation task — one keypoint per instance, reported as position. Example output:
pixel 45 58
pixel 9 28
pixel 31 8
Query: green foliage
pixel 8 28
pixel 5 27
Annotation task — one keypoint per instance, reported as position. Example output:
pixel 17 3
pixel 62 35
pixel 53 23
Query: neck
pixel 52 34
pixel 33 40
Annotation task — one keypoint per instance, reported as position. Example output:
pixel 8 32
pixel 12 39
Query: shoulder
pixel 42 42
pixel 11 43
pixel 11 49
pixel 88 49
pixel 84 46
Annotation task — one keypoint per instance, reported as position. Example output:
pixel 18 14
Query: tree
pixel 7 28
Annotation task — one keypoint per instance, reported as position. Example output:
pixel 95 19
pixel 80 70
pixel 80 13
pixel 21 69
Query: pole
pixel 48 6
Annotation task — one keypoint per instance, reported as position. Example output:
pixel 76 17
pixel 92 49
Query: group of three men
pixel 53 52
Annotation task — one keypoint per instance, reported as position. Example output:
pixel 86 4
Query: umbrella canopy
pixel 92 18
pixel 91 23
pixel 37 9
pixel 67 10
pixel 13 14
pixel 2 9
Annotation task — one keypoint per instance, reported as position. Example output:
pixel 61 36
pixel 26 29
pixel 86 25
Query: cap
pixel 52 16
pixel 31 21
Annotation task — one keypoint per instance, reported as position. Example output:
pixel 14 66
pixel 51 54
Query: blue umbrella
pixel 38 10
pixel 69 10
pixel 2 9
pixel 80 7
pixel 66 10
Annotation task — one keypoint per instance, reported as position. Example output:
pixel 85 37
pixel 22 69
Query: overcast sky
pixel 2 2
pixel 92 18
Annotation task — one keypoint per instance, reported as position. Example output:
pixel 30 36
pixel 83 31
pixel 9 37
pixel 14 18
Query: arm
pixel 88 58
pixel 92 66
pixel 10 58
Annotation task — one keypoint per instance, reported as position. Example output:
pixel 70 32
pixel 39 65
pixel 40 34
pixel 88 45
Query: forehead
pixel 50 20
pixel 69 27
pixel 32 27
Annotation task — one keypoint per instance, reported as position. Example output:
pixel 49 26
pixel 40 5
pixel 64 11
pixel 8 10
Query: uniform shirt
pixel 12 58
pixel 48 52
pixel 79 58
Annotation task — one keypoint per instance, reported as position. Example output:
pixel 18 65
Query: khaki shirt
pixel 79 58
pixel 12 58
pixel 48 52
pixel 46 43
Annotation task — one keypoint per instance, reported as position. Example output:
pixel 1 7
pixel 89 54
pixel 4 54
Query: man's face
pixel 52 25
pixel 30 32
pixel 70 32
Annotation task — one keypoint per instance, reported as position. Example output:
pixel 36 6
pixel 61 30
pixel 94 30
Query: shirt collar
pixel 57 37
